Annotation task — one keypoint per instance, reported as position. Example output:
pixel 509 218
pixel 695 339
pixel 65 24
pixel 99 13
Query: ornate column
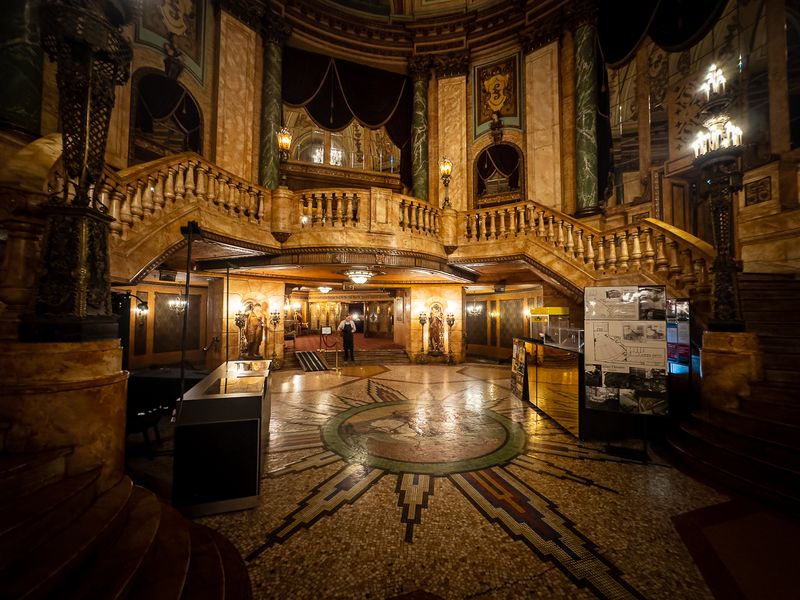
pixel 419 67
pixel 275 32
pixel 585 110
pixel 20 67
pixel 73 296
pixel 451 74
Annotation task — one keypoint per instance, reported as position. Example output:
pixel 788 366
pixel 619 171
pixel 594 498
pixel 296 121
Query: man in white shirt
pixel 347 328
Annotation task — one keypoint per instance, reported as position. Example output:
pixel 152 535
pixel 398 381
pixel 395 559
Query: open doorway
pixel 356 310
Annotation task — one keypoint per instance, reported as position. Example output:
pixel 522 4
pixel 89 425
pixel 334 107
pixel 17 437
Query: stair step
pixel 4 427
pixel 769 459
pixel 112 573
pixel 206 579
pixel 758 427
pixel 163 574
pixel 29 521
pixel 778 409
pixel 38 573
pixel 721 466
pixel 237 578
pixel 785 376
pixel 784 329
pixel 22 474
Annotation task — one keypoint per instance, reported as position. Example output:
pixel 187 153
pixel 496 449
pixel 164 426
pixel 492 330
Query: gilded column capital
pixel 419 67
pixel 543 32
pixel 452 64
pixel 580 13
pixel 275 29
pixel 249 12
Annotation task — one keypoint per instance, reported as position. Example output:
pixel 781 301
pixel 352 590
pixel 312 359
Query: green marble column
pixel 275 33
pixel 420 71
pixel 20 67
pixel 585 122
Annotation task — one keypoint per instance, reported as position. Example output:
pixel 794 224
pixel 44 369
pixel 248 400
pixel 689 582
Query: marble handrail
pixel 135 194
pixel 331 208
pixel 649 245
pixel 418 216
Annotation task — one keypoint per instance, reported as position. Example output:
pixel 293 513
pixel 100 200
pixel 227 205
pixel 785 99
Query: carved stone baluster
pixel 189 184
pixel 551 234
pixel 158 191
pixel 622 263
pixel 514 218
pixel 501 217
pixel 200 191
pixel 649 252
pixel 674 263
pixel 351 216
pixel 688 276
pixel 135 194
pixel 252 205
pixel 327 215
pixel 590 250
pixel 662 263
pixel 116 225
pixel 180 188
pixel 636 250
pixel 211 193
pixel 540 230
pixel 147 196
pixel 169 188
pixel 125 209
pixel 560 235
pixel 601 254
pixel 611 261
pixel 570 244
pixel 579 247
pixel 403 221
pixel 259 206
pixel 436 223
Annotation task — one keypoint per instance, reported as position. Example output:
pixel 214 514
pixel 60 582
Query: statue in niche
pixel 436 331
pixel 254 331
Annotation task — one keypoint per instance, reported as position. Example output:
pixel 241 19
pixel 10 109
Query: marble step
pixel 22 474
pixel 780 376
pixel 776 402
pixel 237 578
pixel 206 577
pixel 758 427
pixel 725 467
pixel 111 574
pixel 29 521
pixel 764 454
pixel 39 572
pixel 163 574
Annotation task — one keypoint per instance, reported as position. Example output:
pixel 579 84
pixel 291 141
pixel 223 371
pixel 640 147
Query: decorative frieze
pixel 453 64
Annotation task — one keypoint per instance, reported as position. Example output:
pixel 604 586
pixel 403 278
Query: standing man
pixel 347 329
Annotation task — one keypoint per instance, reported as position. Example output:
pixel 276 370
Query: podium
pixel 219 433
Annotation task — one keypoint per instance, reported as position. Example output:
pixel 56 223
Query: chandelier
pixel 324 289
pixel 359 276
pixel 177 304
pixel 474 309
pixel 719 130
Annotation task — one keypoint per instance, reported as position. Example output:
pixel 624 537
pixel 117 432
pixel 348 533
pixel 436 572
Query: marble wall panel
pixel 452 110
pixel 236 97
pixel 543 126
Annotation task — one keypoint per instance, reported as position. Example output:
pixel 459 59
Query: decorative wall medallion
pixel 758 191
pixel 497 92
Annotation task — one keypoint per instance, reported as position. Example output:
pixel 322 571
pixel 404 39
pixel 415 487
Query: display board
pixel 678 340
pixel 626 349
pixel 518 369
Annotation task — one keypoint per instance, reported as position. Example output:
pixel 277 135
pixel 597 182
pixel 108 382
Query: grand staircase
pixel 61 538
pixel 756 448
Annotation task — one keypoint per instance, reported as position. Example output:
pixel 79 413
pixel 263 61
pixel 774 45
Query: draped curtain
pixel 335 91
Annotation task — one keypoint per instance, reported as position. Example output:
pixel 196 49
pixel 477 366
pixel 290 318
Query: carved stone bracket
pixel 281 236
pixel 419 67
pixel 452 64
pixel 275 29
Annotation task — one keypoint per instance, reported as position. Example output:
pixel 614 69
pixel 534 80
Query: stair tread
pixel 237 578
pixel 112 573
pixel 40 571
pixel 163 575
pixel 12 464
pixel 206 578
pixel 30 520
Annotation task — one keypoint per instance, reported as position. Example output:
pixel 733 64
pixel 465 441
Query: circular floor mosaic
pixel 423 437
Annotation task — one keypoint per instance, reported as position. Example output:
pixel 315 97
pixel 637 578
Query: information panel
pixel 518 369
pixel 626 349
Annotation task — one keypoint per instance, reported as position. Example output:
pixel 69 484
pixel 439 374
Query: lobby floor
pixel 433 481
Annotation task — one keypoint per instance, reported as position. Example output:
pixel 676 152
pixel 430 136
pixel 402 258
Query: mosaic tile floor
pixel 381 481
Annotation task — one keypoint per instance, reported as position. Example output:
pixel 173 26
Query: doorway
pixel 356 310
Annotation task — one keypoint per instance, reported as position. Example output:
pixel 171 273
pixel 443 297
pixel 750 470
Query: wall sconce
pixel 445 170
pixel 450 320
pixel 142 308
pixel 177 304
pixel 474 309
pixel 423 318
pixel 274 318
pixel 494 314
pixel 297 306
pixel 284 145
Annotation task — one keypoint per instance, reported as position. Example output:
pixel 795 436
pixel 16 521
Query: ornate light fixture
pixel 445 170
pixel 142 308
pixel 359 276
pixel 450 320
pixel 284 145
pixel 177 304
pixel 423 318
pixel 324 289
pixel 474 309
pixel 274 318
pixel 717 149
